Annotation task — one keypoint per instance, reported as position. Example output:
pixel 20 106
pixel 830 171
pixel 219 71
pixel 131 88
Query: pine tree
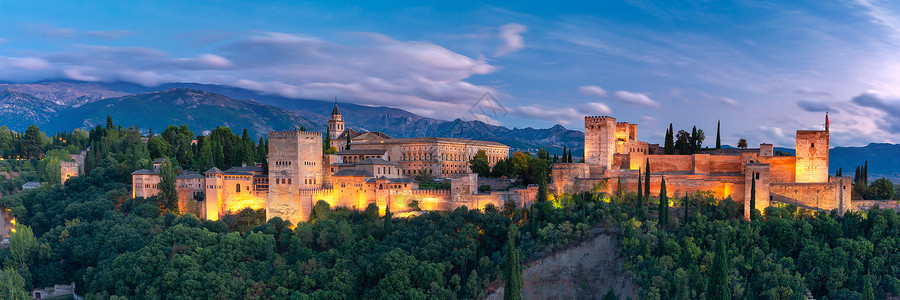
pixel 168 195
pixel 109 123
pixel 663 205
pixel 718 135
pixel 513 271
pixel 261 150
pixel 719 287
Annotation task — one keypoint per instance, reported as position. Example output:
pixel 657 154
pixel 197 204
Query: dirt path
pixel 587 271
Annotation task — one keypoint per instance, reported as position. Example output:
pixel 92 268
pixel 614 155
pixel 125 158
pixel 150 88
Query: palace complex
pixel 613 157
pixel 370 167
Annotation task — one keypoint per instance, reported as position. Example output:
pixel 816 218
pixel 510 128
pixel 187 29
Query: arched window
pixel 237 188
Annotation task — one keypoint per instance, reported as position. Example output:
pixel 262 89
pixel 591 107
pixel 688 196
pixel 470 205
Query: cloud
pixel 511 36
pixel 887 106
pixel 109 34
pixel 562 115
pixel 812 92
pixel 29 63
pixel 592 90
pixel 48 31
pixel 636 99
pixel 727 101
pixel 815 106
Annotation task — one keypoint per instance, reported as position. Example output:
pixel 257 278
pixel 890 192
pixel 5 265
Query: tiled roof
pixel 375 161
pixel 353 172
pixel 214 170
pixel 145 172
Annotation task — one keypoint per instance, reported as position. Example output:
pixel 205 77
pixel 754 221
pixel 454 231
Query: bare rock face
pixel 587 271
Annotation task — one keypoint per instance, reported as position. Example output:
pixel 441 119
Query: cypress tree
pixel 685 202
pixel 838 174
pixel 570 157
pixel 693 140
pixel 718 136
pixel 326 144
pixel 719 287
pixel 513 271
pixel 261 150
pixel 348 143
pixel 647 180
pixel 663 205
pixel 640 194
pixel 865 172
pixel 752 193
pixel 565 157
pixel 670 140
pixel 388 226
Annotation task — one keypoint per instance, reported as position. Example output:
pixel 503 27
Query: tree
pixel 326 144
pixel 718 135
pixel 838 173
pixel 880 189
pixel 868 292
pixel 683 142
pixel 207 160
pixel 670 142
pixel 742 143
pixel 694 140
pixel 32 143
pixel 647 180
pixel 158 147
pixel 168 195
pixel 570 157
pixel 347 147
pixel 513 272
pixel 719 287
pixel 663 205
pixel 639 204
pixel 388 225
pixel 21 243
pixel 479 164
pixel 12 285
pixel 752 193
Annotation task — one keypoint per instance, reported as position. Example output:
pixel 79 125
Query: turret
pixel 335 123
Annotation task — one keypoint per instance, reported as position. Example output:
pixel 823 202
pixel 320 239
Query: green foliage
pixel 479 164
pixel 513 271
pixel 719 284
pixel 21 244
pixel 168 195
pixel 742 143
pixel 663 205
pixel 12 285
pixel 880 189
pixel 718 135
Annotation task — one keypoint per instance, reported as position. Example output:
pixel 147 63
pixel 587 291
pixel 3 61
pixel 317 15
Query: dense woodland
pixel 91 232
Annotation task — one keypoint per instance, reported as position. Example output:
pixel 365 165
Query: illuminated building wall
pixel 295 163
pixel 812 156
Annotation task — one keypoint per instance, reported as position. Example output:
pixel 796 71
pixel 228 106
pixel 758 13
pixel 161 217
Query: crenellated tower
pixel 295 164
pixel 599 142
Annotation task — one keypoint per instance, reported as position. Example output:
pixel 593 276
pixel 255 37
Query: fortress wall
pixel 825 195
pixel 781 168
pixel 812 156
pixel 563 176
pixel 700 163
pixel 670 163
pixel 725 164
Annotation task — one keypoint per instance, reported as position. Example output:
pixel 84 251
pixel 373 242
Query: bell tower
pixel 336 123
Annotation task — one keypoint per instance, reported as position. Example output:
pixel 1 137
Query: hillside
pixel 883 159
pixel 199 110
pixel 19 110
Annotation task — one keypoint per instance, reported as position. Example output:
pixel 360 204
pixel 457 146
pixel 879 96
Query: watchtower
pixel 599 142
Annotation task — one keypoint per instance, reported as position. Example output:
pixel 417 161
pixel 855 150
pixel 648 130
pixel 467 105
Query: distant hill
pixel 199 110
pixel 884 160
pixel 19 110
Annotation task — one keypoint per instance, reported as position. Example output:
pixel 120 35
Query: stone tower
pixel 213 189
pixel 68 169
pixel 599 142
pixel 295 163
pixel 336 123
pixel 812 156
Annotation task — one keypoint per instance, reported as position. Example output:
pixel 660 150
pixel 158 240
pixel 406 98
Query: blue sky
pixel 765 69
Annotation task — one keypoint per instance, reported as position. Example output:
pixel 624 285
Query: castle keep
pixel 372 168
pixel 613 156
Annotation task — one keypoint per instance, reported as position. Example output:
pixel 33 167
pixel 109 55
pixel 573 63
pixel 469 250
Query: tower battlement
pixel 292 134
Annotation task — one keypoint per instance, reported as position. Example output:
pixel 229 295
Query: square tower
pixel 295 163
pixel 812 156
pixel 599 142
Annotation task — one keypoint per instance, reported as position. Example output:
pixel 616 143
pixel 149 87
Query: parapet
pixel 293 134
pixel 598 119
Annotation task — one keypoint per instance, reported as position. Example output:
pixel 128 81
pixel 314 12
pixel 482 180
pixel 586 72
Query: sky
pixel 764 69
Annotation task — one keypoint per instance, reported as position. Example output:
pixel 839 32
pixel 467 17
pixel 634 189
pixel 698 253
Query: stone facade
pixel 613 157
pixel 295 163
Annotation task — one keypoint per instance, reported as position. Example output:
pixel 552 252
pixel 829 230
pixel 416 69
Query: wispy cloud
pixel 592 90
pixel 511 36
pixel 562 115
pixel 636 99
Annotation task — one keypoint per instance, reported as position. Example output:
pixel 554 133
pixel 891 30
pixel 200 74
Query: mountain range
pixel 56 105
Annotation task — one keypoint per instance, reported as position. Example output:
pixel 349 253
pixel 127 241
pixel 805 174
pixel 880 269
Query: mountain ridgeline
pixel 65 105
